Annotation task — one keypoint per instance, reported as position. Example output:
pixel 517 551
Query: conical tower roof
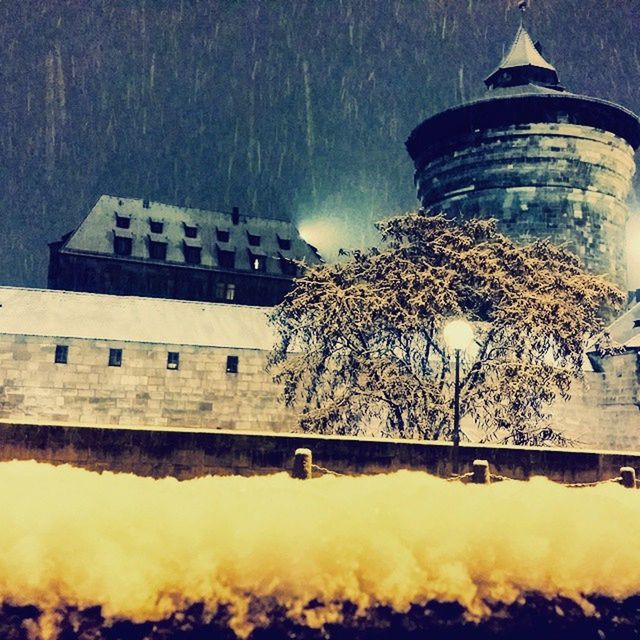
pixel 523 65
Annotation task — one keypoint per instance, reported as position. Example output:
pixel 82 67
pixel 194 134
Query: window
pixel 288 267
pixel 232 364
pixel 62 353
pixel 254 240
pixel 284 243
pixel 222 235
pixel 173 360
pixel 258 263
pixel 145 203
pixel 225 291
pixel 226 259
pixel 190 231
pixel 122 245
pixel 122 222
pixel 115 357
pixel 192 254
pixel 156 226
pixel 157 250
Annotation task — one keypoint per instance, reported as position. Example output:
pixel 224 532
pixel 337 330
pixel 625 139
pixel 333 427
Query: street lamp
pixel 458 334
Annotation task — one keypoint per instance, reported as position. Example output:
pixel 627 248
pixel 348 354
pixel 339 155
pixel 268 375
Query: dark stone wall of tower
pixel 565 182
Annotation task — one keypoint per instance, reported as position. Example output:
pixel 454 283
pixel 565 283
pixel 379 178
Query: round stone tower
pixel 545 162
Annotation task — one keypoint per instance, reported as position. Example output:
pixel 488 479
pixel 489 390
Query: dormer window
pixel 284 243
pixel 288 267
pixel 157 249
pixel 156 226
pixel 257 261
pixel 190 231
pixel 122 243
pixel 122 222
pixel 254 239
pixel 226 258
pixel 192 253
pixel 222 234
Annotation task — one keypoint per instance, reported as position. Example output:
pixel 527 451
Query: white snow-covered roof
pixel 96 234
pixel 624 331
pixel 66 314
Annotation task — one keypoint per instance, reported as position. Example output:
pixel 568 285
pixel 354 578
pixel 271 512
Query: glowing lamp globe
pixel 458 334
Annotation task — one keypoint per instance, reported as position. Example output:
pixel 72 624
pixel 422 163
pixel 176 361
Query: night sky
pixel 284 108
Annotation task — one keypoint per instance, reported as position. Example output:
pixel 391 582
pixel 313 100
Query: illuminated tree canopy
pixel 360 347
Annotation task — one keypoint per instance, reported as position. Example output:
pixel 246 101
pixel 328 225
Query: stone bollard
pixel 481 474
pixel 628 477
pixel 302 464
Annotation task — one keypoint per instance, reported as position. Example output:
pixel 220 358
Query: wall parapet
pixel 185 454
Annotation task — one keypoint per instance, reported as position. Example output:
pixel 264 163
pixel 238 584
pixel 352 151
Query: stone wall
pixel 102 274
pixel 604 409
pixel 567 182
pixel 200 393
pixel 187 454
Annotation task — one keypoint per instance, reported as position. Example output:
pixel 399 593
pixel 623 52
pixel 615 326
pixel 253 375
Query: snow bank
pixel 144 548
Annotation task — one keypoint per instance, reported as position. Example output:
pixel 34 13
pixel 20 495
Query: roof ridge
pixel 225 305
pixel 255 216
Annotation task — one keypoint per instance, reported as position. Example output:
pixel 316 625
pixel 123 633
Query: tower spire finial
pixel 523 5
pixel 524 64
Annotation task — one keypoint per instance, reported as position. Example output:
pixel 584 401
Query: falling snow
pixel 283 108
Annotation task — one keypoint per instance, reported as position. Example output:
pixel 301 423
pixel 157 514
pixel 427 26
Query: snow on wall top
pixel 66 314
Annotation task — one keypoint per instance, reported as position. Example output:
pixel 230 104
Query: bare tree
pixel 360 341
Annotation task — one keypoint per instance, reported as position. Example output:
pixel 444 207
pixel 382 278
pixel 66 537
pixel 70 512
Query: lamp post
pixel 458 335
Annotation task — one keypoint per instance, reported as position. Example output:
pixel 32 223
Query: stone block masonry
pixel 565 182
pixel 188 454
pixel 603 411
pixel 200 393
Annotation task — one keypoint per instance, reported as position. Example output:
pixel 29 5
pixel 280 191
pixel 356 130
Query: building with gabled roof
pixel 128 246
pixel 96 359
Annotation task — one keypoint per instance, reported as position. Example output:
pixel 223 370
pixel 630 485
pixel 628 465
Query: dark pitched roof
pixel 95 234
